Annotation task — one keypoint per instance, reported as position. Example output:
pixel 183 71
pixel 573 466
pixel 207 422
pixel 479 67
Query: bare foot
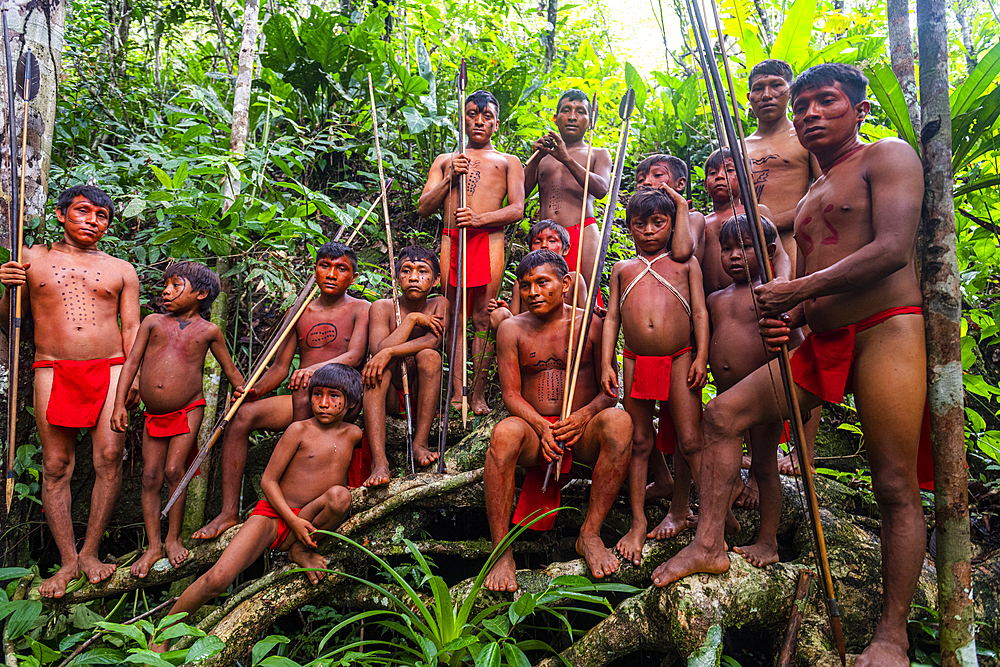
pixel 759 555
pixel 690 560
pixel 55 586
pixel 789 464
pixel 600 559
pixel 423 456
pixel 379 476
pixel 95 570
pixel 140 568
pixel 672 526
pixel 749 497
pixel 883 654
pixel 216 527
pixel 630 546
pixel 502 576
pixel 656 490
pixel 479 405
pixel 308 559
pixel 732 523
pixel 176 553
pixel 745 464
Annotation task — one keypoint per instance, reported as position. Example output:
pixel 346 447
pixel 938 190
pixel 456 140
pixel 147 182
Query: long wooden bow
pixel 748 196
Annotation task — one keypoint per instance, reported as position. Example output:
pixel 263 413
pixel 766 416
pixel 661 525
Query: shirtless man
pixel 492 177
pixel 531 348
pixel 724 191
pixel 782 172
pixel 858 290
pixel 559 169
pixel 333 328
pixel 782 169
pixel 666 171
pixel 76 294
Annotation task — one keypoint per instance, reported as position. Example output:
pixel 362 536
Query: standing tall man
pixel 77 295
pixel 491 178
pixel 782 168
pixel 856 230
pixel 559 170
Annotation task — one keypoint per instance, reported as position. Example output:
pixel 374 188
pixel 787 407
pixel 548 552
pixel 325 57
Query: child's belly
pixel 654 337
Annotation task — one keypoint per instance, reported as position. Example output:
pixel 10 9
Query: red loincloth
pixel 79 389
pixel 264 508
pixel 822 365
pixel 574 240
pixel 360 468
pixel 532 502
pixel 172 423
pixel 477 257
pixel 651 377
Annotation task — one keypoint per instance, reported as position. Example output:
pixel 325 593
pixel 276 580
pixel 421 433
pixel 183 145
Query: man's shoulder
pixel 890 150
pixel 434 302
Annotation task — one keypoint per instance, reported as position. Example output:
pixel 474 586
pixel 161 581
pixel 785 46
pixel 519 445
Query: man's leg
pixel 424 388
pixel 176 465
pixel 891 421
pixel 606 444
pixel 482 349
pixel 58 459
pixel 107 448
pixel 269 414
pixel 641 412
pixel 764 468
pixel 154 458
pixel 374 400
pixel 512 443
pixel 727 416
pixel 325 513
pixel 789 463
pixel 590 237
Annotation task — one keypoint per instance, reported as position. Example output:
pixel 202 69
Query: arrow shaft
pixel 14 341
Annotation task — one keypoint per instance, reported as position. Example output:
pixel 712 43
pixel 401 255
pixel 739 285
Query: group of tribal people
pixel 839 217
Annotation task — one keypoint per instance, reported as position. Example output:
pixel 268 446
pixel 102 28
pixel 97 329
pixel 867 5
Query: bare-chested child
pixel 333 328
pixel 171 351
pixel 531 348
pixel 305 490
pixel 559 169
pixel 657 303
pixel 492 178
pixel 414 342
pixel 782 172
pixel 736 351
pixel 76 295
pixel 858 291
pixel 662 170
pixel 550 235
pixel 724 191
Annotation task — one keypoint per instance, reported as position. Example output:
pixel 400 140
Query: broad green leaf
pixel 499 625
pixel 322 41
pixel 7 573
pixel 181 175
pixel 524 606
pixel 979 79
pixel 279 661
pixel 966 188
pixel 162 177
pixel 515 656
pixel 415 122
pixel 42 653
pixel 633 79
pixel 489 656
pixel 281 46
pixel 739 26
pixel 26 612
pixel 792 42
pixel 890 97
pixel 146 657
pixel 204 648
pixel 969 127
pixel 99 656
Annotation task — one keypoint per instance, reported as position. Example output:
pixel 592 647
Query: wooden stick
pixel 795 619
pixel 463 277
pixel 392 276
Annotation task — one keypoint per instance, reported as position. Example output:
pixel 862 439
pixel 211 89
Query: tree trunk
pixel 550 34
pixel 901 50
pixel 960 7
pixel 223 46
pixel 943 307
pixel 38 27
pixel 241 94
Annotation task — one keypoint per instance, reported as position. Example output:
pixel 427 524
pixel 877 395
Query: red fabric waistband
pixel 50 363
pixel 629 354
pixel 879 318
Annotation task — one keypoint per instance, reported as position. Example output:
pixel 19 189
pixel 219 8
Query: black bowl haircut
pixel 542 225
pixel 734 228
pixel 417 253
pixel 200 278
pixel 850 78
pixel 92 193
pixel 340 377
pixel 334 249
pixel 537 258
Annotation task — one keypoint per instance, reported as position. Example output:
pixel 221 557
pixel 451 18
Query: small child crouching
pixel 305 489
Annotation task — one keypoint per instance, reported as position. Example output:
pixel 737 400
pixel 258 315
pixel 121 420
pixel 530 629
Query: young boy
pixel 77 295
pixel 856 231
pixel 492 177
pixel 333 328
pixel 550 235
pixel 724 191
pixel 736 351
pixel 304 485
pixel 666 171
pixel 414 342
pixel 657 302
pixel 532 352
pixel 171 350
